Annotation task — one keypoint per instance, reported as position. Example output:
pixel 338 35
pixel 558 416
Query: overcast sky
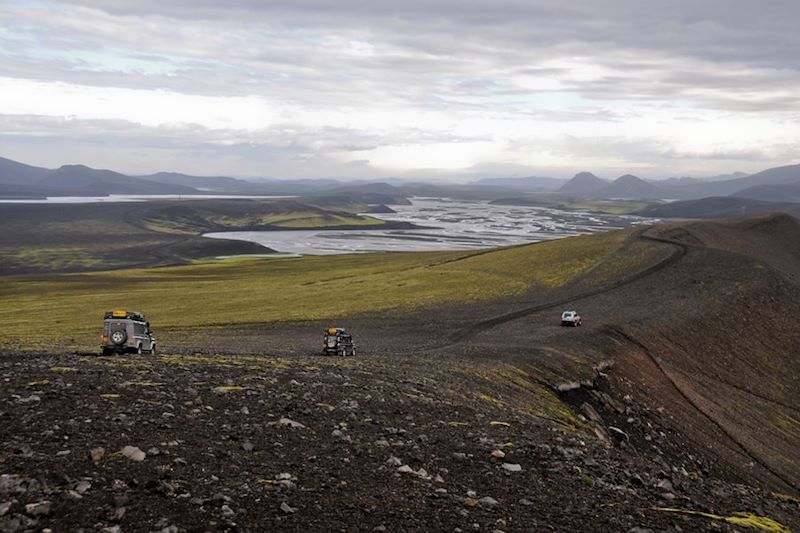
pixel 450 89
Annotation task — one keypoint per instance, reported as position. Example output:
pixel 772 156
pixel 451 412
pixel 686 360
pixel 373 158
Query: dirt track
pixel 694 414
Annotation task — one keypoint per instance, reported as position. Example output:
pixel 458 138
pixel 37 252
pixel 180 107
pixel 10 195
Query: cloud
pixel 435 86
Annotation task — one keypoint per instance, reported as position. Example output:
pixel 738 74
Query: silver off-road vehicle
pixel 126 332
pixel 337 341
pixel 570 318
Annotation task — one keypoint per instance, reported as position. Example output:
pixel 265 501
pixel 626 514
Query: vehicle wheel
pixel 139 349
pixel 119 337
pixel 153 349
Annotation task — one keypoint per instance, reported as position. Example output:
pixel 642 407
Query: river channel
pixel 449 225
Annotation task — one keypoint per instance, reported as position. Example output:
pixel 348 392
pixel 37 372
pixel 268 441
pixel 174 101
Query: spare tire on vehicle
pixel 119 337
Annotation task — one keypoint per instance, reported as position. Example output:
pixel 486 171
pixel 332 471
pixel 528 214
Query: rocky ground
pixel 202 443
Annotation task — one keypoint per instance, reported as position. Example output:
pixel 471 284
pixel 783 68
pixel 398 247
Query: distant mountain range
pixel 788 192
pixel 718 207
pixel 18 180
pixel 779 184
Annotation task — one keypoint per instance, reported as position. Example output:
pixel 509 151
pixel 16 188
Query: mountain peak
pixel 630 186
pixel 583 183
pixel 585 176
pixel 629 178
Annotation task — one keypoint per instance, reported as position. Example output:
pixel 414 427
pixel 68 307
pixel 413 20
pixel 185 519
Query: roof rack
pixel 123 314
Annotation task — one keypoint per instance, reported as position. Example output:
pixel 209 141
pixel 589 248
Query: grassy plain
pixel 239 291
pixel 40 238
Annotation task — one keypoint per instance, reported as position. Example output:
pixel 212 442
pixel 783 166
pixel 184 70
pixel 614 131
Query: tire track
pixel 469 332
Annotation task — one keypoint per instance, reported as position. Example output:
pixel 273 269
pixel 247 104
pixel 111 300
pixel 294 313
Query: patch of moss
pixel 748 520
pixel 492 400
pixel 786 497
pixel 228 388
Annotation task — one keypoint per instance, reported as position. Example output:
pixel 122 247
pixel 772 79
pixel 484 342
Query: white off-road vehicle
pixel 570 318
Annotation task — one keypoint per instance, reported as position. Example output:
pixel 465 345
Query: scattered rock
pixel 287 509
pixel 566 387
pixel 512 467
pixel 498 454
pixel 618 433
pixel 118 514
pixel 96 454
pixel 133 453
pixel 30 399
pixel 38 509
pixel 291 423
pixel 5 507
pixel 340 435
pixel 488 501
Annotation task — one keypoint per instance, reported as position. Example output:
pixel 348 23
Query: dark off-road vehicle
pixel 337 341
pixel 126 331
